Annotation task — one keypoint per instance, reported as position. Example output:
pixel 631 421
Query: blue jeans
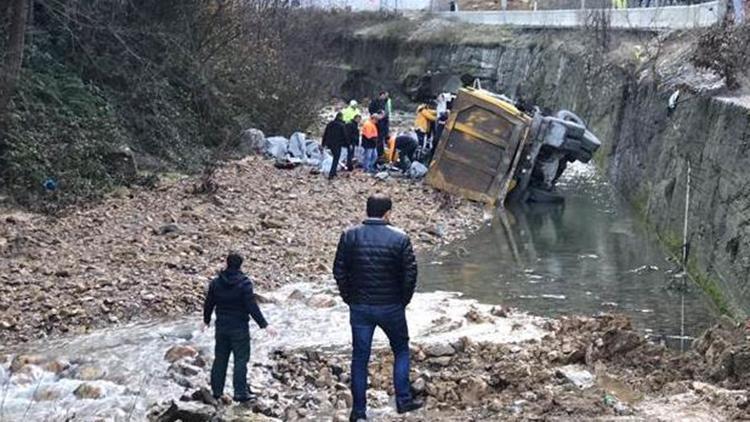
pixel 236 343
pixel 392 320
pixel 370 158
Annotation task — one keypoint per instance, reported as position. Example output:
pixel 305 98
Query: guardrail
pixel 649 18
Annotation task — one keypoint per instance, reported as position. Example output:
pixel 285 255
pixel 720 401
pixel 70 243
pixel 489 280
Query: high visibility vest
pixel 369 129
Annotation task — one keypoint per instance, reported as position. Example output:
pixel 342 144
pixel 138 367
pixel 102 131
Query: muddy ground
pixel 149 253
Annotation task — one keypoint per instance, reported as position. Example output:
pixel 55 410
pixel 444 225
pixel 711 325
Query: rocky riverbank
pixel 578 368
pixel 470 362
pixel 149 253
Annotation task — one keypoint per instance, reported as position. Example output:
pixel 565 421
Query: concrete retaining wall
pixel 673 17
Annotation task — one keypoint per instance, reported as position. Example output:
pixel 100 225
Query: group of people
pixel 349 130
pixel 376 274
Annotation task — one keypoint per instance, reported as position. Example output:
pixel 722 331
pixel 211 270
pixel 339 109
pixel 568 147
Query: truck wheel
pixel 590 142
pixel 570 116
pixel 572 129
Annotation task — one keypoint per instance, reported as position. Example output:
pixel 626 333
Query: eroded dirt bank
pixel 149 253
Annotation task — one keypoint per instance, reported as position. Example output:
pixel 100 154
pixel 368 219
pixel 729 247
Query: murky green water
pixel 587 256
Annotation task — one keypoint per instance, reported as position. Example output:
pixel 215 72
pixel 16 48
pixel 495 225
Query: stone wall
pixel 624 97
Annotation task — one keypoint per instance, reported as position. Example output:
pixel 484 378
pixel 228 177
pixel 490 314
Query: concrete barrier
pixel 672 17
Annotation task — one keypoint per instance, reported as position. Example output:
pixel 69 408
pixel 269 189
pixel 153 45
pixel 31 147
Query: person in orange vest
pixel 370 142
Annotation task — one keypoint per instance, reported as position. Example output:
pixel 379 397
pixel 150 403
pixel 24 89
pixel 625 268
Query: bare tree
pixel 11 68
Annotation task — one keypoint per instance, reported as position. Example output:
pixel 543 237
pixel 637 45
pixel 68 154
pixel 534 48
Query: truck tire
pixel 572 129
pixel 572 146
pixel 590 142
pixel 570 116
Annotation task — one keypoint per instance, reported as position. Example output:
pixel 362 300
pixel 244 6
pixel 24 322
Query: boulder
pixel 89 372
pixel 439 349
pixel 418 385
pixel 472 389
pixel 576 375
pixel 88 391
pixel 184 412
pixel 321 301
pixel 252 141
pixel 20 361
pixel 178 352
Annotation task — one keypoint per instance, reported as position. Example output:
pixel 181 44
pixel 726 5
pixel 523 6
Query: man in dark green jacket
pixel 231 296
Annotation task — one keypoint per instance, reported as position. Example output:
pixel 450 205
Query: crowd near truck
pixel 493 152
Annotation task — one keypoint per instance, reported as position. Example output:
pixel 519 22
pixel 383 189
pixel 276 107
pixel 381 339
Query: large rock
pixel 321 301
pixel 178 352
pixel 183 412
pixel 438 350
pixel 89 372
pixel 576 375
pixel 20 361
pixel 472 390
pixel 88 391
pixel 252 141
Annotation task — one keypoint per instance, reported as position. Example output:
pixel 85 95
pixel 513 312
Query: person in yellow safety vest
pixel 620 4
pixel 423 122
pixel 348 113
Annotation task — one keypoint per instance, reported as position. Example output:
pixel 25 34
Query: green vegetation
pixel 173 81
pixel 710 286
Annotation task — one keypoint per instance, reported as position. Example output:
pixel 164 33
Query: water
pixel 135 374
pixel 586 256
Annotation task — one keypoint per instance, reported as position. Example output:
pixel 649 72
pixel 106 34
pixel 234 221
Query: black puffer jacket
pixel 335 134
pixel 375 265
pixel 231 294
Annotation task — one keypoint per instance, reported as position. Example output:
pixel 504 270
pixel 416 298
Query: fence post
pixel 583 4
pixel 504 4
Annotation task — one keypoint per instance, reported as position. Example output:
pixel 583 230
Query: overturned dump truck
pixel 492 152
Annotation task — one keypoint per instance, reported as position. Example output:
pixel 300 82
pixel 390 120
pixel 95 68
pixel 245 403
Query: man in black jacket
pixel 352 133
pixel 376 273
pixel 231 295
pixel 335 138
pixel 379 106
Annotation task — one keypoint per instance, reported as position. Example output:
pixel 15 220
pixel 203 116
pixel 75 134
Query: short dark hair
pixel 378 205
pixel 234 261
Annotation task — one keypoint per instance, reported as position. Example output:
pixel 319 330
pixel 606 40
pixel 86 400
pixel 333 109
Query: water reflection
pixel 588 255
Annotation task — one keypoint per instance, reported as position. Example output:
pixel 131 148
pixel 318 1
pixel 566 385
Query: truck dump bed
pixel 480 147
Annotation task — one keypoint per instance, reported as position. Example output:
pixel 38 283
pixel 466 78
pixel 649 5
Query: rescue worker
pixel 231 295
pixel 335 138
pixel 376 273
pixel 369 143
pixel 379 106
pixel 348 113
pixel 422 123
pixel 406 147
pixel 352 133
